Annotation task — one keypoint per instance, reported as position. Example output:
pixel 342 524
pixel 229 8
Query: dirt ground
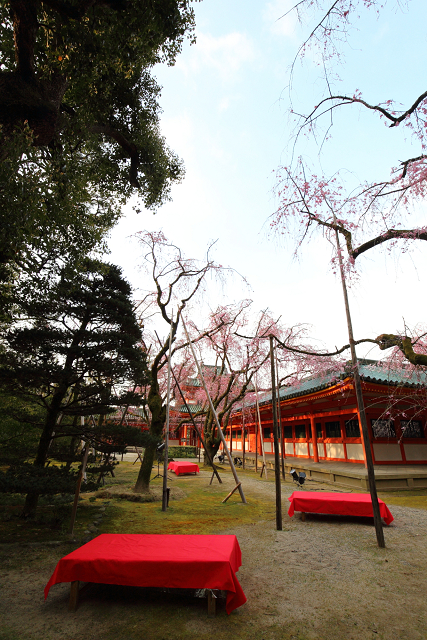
pixel 322 579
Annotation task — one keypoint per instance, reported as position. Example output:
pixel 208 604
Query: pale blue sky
pixel 226 114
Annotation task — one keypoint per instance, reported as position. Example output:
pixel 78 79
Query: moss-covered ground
pixel 195 507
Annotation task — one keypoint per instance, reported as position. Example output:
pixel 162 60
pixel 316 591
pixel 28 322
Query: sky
pixel 226 114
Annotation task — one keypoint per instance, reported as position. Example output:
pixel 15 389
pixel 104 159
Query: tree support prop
pixel 78 486
pixel 138 457
pixel 218 426
pixel 213 475
pixel 199 432
pixel 231 492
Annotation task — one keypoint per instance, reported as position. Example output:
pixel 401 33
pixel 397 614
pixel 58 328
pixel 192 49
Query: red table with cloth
pixel 183 467
pixel 171 561
pixel 343 504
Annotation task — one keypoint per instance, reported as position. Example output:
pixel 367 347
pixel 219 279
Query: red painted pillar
pixel 314 439
pixel 363 444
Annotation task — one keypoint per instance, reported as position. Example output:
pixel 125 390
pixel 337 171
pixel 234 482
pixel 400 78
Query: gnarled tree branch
pixel 127 146
pixel 404 343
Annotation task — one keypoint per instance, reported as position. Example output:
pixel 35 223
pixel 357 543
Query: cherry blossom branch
pixel 320 353
pixel 356 99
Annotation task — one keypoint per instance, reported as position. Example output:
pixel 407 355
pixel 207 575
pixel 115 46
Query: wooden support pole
pixel 199 432
pixel 165 492
pixel 260 433
pixel 361 407
pixel 243 433
pixel 218 426
pixel 78 486
pixel 256 444
pixel 279 412
pixel 276 441
pixel 138 457
pixel 232 491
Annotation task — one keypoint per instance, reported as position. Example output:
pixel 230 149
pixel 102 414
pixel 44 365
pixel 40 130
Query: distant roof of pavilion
pixel 194 408
pixel 369 370
pixel 216 370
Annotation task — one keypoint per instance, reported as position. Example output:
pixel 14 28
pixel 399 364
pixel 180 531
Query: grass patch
pixel 195 507
pixel 198 508
pixel 415 499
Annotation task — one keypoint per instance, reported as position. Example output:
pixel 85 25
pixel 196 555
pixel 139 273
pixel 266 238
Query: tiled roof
pixel 369 371
pixel 193 382
pixel 194 408
pixel 196 382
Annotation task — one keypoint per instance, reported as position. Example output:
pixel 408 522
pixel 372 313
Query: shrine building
pixel 319 419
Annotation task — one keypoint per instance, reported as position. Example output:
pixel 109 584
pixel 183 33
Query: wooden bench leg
pixel 211 604
pixel 74 596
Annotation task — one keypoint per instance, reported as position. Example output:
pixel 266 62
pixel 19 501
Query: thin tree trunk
pixel 166 450
pixel 158 419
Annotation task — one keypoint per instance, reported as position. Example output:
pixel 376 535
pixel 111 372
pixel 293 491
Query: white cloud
pixel 224 104
pixel 226 54
pixel 179 132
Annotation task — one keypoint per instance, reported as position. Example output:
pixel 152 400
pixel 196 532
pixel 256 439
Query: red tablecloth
pixel 343 504
pixel 172 561
pixel 183 467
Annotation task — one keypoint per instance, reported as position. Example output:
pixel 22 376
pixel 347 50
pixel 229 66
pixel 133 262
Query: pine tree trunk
pixel 32 497
pixel 30 505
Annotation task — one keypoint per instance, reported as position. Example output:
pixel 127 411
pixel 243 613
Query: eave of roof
pixel 369 371
pixel 194 408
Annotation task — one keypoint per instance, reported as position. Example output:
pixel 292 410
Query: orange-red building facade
pixel 323 423
pixel 320 421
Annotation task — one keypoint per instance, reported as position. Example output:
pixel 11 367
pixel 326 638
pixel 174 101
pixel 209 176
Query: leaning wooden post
pixel 199 431
pixel 361 407
pixel 279 411
pixel 276 440
pixel 166 450
pixel 243 433
pixel 218 426
pixel 261 437
pixel 256 444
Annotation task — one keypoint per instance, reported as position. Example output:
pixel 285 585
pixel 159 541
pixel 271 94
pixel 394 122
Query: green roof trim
pixel 194 408
pixel 369 371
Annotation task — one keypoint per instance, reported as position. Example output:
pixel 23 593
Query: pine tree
pixel 73 349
